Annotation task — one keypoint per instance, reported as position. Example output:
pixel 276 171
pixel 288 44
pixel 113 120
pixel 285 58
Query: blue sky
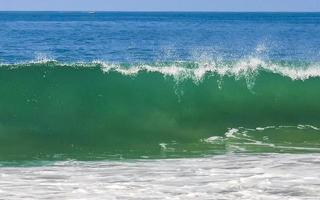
pixel 162 5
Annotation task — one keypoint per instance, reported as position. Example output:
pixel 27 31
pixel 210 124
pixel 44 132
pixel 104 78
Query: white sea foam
pixel 246 68
pixel 231 132
pixel 239 139
pixel 230 176
pixel 212 139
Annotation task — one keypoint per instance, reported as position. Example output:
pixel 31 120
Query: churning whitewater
pixel 240 176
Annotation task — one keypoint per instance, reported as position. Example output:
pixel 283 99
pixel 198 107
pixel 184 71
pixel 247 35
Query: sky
pixel 160 5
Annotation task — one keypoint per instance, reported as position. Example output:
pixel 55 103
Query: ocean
pixel 159 105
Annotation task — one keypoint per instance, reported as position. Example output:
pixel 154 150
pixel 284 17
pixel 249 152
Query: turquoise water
pixel 109 85
pixel 91 111
pixel 120 105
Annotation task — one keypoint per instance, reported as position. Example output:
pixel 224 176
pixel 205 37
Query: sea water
pixel 122 105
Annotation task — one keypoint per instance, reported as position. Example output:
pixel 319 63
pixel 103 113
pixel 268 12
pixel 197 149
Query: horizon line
pixel 167 11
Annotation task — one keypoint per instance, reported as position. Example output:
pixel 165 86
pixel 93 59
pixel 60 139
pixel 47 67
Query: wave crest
pixel 245 68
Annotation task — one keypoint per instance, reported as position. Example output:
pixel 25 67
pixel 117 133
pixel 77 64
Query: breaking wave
pixel 99 110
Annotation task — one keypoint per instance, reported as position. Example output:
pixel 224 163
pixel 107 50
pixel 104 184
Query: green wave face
pixel 54 111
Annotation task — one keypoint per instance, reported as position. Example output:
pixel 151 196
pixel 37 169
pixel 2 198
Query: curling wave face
pixel 99 110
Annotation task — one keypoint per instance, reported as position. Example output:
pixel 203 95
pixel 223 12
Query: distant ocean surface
pixel 191 105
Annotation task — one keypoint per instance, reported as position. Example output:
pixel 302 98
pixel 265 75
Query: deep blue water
pixel 141 37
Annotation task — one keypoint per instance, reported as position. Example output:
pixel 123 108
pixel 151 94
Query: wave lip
pixel 196 70
pixel 243 68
